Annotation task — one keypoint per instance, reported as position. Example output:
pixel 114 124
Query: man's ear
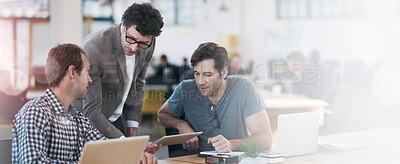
pixel 225 72
pixel 71 71
pixel 122 26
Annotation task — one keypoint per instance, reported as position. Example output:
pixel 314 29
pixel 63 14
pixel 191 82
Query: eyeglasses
pixel 215 120
pixel 132 40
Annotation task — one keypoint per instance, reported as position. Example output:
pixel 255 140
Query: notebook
pixel 121 151
pixel 297 134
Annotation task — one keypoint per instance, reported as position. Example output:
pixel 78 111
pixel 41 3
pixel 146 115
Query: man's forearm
pixel 170 121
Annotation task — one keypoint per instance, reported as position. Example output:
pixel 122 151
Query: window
pixel 303 9
pixel 176 12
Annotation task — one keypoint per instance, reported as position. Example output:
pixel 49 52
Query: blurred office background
pixel 347 49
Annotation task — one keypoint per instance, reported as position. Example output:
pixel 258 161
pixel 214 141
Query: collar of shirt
pixel 58 108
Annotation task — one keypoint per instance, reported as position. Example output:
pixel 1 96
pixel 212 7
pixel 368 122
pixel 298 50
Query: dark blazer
pixel 108 73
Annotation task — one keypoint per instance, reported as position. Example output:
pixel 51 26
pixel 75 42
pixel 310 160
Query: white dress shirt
pixel 130 69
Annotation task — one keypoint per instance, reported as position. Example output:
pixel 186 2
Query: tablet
pixel 176 139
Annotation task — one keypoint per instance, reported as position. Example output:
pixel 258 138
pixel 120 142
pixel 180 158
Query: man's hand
pixel 192 144
pixel 152 148
pixel 148 158
pixel 220 143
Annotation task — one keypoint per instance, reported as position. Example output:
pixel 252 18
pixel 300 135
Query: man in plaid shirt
pixel 49 129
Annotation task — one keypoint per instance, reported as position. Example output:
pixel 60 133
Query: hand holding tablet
pixel 176 139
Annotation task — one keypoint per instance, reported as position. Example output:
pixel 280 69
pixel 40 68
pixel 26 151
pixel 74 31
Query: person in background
pixel 49 129
pixel 166 72
pixel 296 64
pixel 314 57
pixel 185 71
pixel 185 65
pixel 312 85
pixel 235 65
pixel 293 78
pixel 120 55
pixel 221 106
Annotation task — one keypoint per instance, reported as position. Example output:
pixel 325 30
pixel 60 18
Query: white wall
pixel 181 41
pixel 368 38
pixel 66 22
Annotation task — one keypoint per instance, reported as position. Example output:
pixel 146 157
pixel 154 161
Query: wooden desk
pixel 372 146
pixel 182 160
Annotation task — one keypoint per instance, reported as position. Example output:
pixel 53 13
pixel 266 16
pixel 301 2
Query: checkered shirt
pixel 43 132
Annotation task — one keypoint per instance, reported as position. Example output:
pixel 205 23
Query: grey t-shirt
pixel 240 100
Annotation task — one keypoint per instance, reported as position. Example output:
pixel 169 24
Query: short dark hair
pixel 58 61
pixel 163 56
pixel 147 19
pixel 210 50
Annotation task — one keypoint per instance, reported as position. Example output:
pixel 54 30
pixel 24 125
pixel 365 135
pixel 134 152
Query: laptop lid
pixel 297 133
pixel 121 150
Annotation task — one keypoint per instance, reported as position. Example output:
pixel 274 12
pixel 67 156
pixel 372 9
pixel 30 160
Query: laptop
pixel 120 150
pixel 297 134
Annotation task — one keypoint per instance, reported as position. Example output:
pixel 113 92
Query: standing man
pixel 119 56
pixel 49 129
pixel 221 106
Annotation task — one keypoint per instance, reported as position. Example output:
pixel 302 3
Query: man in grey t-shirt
pixel 220 106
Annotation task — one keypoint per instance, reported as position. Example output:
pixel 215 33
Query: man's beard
pixel 215 88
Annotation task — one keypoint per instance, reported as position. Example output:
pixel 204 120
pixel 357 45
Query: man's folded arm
pixel 168 120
